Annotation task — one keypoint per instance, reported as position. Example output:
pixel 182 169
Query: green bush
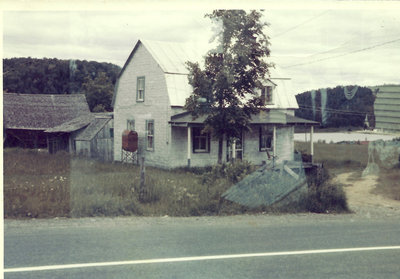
pixel 233 172
pixel 323 196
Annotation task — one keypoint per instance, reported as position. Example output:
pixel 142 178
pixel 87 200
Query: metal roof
pixel 178 88
pixel 172 58
pixel 268 186
pixel 42 111
pixel 263 118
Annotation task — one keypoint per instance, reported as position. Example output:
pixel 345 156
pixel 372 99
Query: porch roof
pixel 263 118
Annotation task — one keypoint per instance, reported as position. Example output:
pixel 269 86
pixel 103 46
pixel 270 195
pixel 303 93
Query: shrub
pixel 323 196
pixel 237 170
pixel 233 172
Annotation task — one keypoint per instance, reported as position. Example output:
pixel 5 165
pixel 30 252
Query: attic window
pixel 266 95
pixel 140 86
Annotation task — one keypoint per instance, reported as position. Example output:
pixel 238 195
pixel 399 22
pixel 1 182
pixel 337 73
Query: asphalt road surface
pixel 287 246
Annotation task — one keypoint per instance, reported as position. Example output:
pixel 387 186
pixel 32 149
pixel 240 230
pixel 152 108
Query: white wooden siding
pixel 155 107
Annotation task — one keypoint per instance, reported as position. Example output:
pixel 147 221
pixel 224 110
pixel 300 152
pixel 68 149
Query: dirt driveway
pixel 360 197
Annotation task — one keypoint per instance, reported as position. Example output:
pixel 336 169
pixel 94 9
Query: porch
pixel 270 139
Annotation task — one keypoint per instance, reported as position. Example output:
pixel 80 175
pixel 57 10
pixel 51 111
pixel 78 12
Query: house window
pixel 140 86
pixel 201 141
pixel 150 135
pixel 130 125
pixel 266 138
pixel 266 95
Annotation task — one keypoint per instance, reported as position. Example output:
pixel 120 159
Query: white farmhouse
pixel 149 97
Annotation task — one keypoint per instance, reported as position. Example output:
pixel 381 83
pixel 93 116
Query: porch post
pixel 234 150
pixel 312 144
pixel 189 145
pixel 274 141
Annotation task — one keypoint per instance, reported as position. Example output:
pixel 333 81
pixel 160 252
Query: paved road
pixel 38 243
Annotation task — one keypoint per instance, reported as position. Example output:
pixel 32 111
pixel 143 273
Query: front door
pixel 237 145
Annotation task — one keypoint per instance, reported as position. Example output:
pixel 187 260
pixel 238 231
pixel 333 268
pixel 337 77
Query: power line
pixel 343 54
pixel 298 25
pixel 344 112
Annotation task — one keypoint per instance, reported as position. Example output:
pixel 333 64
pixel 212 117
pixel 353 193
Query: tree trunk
pixel 220 147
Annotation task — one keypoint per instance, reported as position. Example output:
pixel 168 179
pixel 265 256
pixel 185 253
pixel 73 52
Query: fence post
pixel 142 180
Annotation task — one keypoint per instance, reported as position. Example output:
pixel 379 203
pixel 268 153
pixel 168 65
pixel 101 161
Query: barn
pixel 43 120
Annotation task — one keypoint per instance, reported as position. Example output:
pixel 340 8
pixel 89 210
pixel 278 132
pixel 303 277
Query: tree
pixel 225 90
pixel 99 92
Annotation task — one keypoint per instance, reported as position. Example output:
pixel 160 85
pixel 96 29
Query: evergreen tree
pixel 225 90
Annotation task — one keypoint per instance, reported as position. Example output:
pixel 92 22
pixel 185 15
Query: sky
pixel 317 44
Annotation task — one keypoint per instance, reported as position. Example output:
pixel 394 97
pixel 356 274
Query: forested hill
pixel 338 107
pixel 56 76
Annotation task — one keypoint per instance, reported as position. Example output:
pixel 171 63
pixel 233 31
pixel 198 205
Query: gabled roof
pixel 172 58
pixel 42 111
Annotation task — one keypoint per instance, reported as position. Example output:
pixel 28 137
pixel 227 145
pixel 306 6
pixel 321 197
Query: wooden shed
pixel 62 136
pixel 97 139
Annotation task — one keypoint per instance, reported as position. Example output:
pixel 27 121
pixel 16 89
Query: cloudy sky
pixel 317 44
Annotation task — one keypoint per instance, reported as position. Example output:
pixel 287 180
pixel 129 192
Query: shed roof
pixel 172 58
pixel 42 111
pixel 72 125
pixel 93 129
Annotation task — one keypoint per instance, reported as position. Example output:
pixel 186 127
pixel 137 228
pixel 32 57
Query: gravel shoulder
pixel 361 199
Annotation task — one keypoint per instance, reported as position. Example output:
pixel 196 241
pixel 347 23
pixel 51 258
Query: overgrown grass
pixel 37 184
pixel 324 196
pixel 338 158
pixel 389 183
pixel 40 185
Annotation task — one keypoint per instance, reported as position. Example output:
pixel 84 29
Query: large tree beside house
pixel 225 90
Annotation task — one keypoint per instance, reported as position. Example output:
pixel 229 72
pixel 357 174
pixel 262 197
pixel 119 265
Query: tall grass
pixel 37 184
pixel 389 183
pixel 340 158
pixel 337 157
